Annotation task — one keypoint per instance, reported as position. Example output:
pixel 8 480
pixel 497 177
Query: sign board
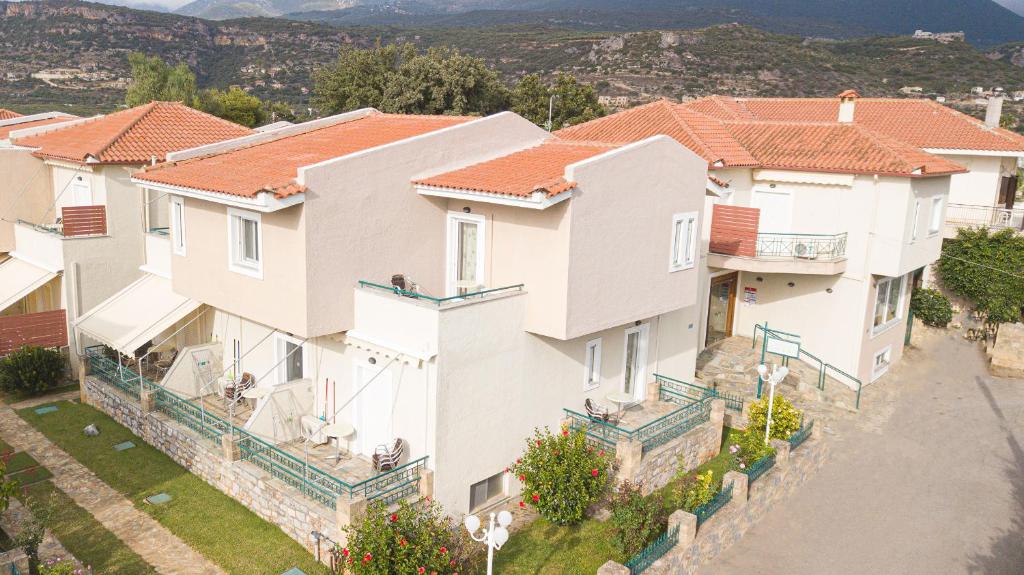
pixel 749 295
pixel 783 347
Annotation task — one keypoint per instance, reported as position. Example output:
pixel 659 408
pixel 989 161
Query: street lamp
pixel 493 537
pixel 777 375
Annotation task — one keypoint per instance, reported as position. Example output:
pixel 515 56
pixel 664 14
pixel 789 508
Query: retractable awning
pixel 136 314
pixel 19 278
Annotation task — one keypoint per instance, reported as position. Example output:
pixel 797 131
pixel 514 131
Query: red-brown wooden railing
pixel 734 231
pixel 84 220
pixel 43 329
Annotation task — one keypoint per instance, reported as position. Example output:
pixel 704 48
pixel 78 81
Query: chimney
pixel 994 111
pixel 847 100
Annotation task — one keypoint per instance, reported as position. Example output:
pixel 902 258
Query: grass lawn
pixel 543 548
pixel 86 538
pixel 10 397
pixel 217 526
pixel 25 470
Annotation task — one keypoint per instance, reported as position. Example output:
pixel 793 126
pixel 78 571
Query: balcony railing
pixel 991 217
pixel 443 300
pixel 75 221
pixel 801 246
pixel 650 435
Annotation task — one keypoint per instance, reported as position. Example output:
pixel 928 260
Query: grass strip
pixel 217 526
pixel 10 397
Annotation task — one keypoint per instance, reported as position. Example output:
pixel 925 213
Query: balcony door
pixel 776 210
pixel 372 417
pixel 635 362
pixel 466 235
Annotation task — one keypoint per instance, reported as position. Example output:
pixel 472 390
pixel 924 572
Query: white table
pixel 621 398
pixel 339 431
pixel 255 394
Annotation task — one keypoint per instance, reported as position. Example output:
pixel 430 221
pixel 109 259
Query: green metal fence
pixel 800 435
pixel 759 467
pixel 824 369
pixel 393 485
pixel 441 300
pixel 704 512
pixel 190 415
pixel 684 393
pixel 108 370
pixel 825 247
pixel 651 434
pixel 309 480
pixel 644 559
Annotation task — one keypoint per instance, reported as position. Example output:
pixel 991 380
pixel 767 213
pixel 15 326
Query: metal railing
pixel 644 559
pixel 824 369
pixel 190 415
pixel 799 436
pixel 651 434
pixel 991 217
pixel 704 512
pixel 678 391
pixel 825 247
pixel 759 467
pixel 441 300
pixel 160 231
pixel 110 371
pixel 53 228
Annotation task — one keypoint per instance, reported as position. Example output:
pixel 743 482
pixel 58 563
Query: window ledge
pixel 879 330
pixel 246 270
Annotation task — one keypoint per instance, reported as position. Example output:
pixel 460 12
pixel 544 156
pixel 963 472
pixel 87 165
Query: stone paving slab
pixel 11 522
pixel 152 541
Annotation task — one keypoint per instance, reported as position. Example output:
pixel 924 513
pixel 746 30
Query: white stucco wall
pixel 24 191
pixel 980 185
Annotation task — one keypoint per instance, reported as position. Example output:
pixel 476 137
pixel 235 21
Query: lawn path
pixel 155 544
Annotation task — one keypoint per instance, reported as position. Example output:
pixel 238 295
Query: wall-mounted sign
pixel 783 347
pixel 750 295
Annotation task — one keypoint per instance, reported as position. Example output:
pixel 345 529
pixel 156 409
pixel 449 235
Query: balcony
pixel 737 244
pixel 992 217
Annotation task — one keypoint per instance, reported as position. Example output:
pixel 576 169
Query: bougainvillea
pixel 561 475
pixel 415 538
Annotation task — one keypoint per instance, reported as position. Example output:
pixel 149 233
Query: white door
pixel 81 191
pixel 776 210
pixel 465 253
pixel 372 408
pixel 635 360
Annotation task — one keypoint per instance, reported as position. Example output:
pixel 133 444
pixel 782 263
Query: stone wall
pixel 267 497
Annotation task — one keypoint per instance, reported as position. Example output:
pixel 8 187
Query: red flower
pixel 421 570
pixel 518 461
pixel 452 563
pixel 600 453
pixel 593 472
pixel 522 477
pixel 444 550
pixel 367 558
pixel 394 517
pixel 538 443
pixel 403 542
pixel 507 470
pixel 345 552
pixel 536 498
pixel 522 504
pixel 565 433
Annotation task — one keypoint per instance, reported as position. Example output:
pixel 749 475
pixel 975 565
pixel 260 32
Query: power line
pixel 1002 271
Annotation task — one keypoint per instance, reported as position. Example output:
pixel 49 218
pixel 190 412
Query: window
pixel 935 224
pixel 178 225
pixel 290 359
pixel 465 253
pixel 246 243
pixel 486 491
pixel 881 363
pixel 888 302
pixel 592 365
pixel 684 240
pixel 914 224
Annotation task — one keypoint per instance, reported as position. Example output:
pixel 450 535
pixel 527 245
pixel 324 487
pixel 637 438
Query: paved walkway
pixel 936 488
pixel 158 546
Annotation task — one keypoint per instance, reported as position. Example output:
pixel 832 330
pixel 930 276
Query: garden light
pixel 493 537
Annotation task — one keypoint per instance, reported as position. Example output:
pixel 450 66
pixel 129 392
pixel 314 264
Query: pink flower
pixel 421 570
pixel 600 453
pixel 743 466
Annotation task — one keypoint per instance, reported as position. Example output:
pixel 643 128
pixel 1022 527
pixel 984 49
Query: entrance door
pixel 372 409
pixel 635 362
pixel 776 210
pixel 721 307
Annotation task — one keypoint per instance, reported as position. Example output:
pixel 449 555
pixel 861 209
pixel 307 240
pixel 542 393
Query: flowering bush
pixel 414 539
pixel 698 490
pixel 561 475
pixel 785 417
pixel 637 519
pixel 60 566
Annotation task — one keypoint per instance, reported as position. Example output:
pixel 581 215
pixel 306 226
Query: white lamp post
pixel 493 537
pixel 777 375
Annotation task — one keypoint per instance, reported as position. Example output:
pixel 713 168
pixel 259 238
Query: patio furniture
pixel 621 398
pixel 339 431
pixel 255 394
pixel 387 457
pixel 600 413
pixel 233 391
pixel 312 430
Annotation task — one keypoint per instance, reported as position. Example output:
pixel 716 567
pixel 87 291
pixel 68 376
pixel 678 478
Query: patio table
pixel 255 394
pixel 621 398
pixel 339 431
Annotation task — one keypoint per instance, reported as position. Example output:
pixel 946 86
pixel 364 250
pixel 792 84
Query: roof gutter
pixel 535 201
pixel 966 152
pixel 264 202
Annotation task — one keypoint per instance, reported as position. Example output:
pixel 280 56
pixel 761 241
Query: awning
pixel 19 278
pixel 136 314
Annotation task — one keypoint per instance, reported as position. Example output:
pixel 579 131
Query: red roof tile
pixel 6 130
pixel 918 122
pixel 537 169
pixel 8 114
pixel 134 136
pixel 273 166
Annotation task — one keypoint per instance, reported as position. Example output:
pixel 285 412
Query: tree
pixel 986 268
pixel 33 529
pixel 153 79
pixel 398 79
pixel 233 104
pixel 570 101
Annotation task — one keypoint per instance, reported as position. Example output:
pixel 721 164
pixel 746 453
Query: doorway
pixel 635 363
pixel 372 408
pixel 776 210
pixel 721 307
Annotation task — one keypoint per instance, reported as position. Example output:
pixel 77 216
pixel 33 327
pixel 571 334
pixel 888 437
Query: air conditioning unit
pixel 805 250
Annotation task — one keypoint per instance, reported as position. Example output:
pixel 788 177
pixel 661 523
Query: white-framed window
pixel 684 241
pixel 888 302
pixel 935 221
pixel 880 363
pixel 916 221
pixel 488 491
pixel 466 245
pixel 178 225
pixel 592 365
pixel 245 243
pixel 290 358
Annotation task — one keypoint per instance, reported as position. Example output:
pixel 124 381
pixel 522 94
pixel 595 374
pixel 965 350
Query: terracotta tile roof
pixel 696 131
pixel 6 130
pixel 273 166
pixel 520 174
pixel 835 147
pixel 8 114
pixel 918 122
pixel 134 136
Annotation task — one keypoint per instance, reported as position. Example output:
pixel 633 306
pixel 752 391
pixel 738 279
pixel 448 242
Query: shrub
pixel 932 307
pixel 413 539
pixel 31 370
pixel 786 417
pixel 60 566
pixel 637 520
pixel 698 490
pixel 994 288
pixel 561 475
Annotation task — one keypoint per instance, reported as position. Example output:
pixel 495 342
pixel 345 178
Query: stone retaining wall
pixel 249 485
